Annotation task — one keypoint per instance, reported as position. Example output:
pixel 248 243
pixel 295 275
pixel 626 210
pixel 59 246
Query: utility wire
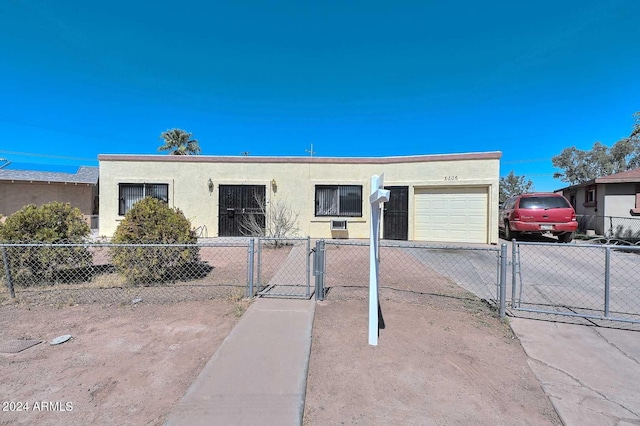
pixel 57 157
pixel 533 160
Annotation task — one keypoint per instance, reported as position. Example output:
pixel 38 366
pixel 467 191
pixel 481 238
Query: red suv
pixel 538 213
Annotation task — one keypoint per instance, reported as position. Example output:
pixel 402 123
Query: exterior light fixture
pixel 274 185
pixel 210 185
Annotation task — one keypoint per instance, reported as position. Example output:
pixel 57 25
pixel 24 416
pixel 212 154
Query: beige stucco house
pixel 609 205
pixel 21 187
pixel 441 198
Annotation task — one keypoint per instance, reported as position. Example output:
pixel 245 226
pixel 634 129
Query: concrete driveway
pixel 591 374
pixel 590 369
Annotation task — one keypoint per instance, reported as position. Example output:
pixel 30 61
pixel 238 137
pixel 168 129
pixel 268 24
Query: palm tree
pixel 179 142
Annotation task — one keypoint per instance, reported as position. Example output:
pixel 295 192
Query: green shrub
pixel 53 225
pixel 152 221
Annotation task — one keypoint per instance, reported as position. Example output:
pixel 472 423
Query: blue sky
pixel 353 78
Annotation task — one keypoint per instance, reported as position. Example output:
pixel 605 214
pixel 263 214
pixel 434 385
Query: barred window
pixel 339 200
pixel 131 193
pixel 590 199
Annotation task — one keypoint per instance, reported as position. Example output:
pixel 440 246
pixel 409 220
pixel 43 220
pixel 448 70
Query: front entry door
pixel 236 204
pixel 396 214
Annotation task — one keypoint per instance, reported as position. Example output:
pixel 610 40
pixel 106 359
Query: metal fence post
pixel 503 279
pixel 7 272
pixel 308 268
pixel 515 259
pixel 250 267
pixel 607 279
pixel 318 269
pixel 498 272
pixel 610 227
pixel 259 280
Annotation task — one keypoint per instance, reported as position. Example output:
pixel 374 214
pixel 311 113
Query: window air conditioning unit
pixel 338 225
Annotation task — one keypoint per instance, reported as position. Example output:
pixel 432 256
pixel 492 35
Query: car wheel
pixel 567 237
pixel 508 233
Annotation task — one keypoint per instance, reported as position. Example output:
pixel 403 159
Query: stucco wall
pixel 15 195
pixel 295 183
pixel 620 199
pixel 590 216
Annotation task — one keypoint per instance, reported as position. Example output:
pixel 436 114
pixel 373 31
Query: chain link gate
pixel 591 282
pixel 284 268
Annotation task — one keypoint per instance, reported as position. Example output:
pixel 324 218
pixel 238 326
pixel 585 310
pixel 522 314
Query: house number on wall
pixel 451 178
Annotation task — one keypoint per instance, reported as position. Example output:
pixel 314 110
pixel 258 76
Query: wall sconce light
pixel 210 185
pixel 274 185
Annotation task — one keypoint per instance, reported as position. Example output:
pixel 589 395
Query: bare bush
pixel 280 221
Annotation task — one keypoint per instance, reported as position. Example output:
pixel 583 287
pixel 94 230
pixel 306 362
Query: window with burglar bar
pixel 131 193
pixel 590 199
pixel 339 200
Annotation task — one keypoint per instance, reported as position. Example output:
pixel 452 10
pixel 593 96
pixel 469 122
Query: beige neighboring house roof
pixel 84 175
pixel 629 176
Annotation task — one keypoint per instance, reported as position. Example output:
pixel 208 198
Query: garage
pixel 451 214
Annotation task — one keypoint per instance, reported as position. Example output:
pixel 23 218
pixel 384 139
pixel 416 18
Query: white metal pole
pixel 373 267
pixel 378 196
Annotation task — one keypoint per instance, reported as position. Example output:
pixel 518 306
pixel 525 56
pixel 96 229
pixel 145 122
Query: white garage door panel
pixel 451 214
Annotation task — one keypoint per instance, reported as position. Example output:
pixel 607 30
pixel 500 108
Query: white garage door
pixel 451 214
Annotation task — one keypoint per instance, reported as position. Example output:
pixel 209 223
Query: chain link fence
pixel 67 274
pixel 409 272
pixel 589 282
pixel 103 272
pixel 627 228
pixel 594 284
pixel 624 228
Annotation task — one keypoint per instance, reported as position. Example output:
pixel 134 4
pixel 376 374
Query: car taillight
pixel 573 216
pixel 515 215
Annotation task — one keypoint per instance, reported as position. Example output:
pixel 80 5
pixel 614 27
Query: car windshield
pixel 544 203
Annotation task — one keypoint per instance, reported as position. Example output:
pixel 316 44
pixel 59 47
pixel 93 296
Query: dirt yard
pixel 440 361
pixel 126 365
pixel 443 358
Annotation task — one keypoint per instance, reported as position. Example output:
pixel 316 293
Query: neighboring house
pixel 609 205
pixel 447 198
pixel 21 187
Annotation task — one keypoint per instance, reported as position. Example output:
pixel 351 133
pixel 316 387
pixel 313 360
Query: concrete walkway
pixel 259 373
pixel 591 374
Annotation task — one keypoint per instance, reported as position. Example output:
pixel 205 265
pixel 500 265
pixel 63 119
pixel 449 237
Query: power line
pixel 537 175
pixel 536 160
pixel 57 157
